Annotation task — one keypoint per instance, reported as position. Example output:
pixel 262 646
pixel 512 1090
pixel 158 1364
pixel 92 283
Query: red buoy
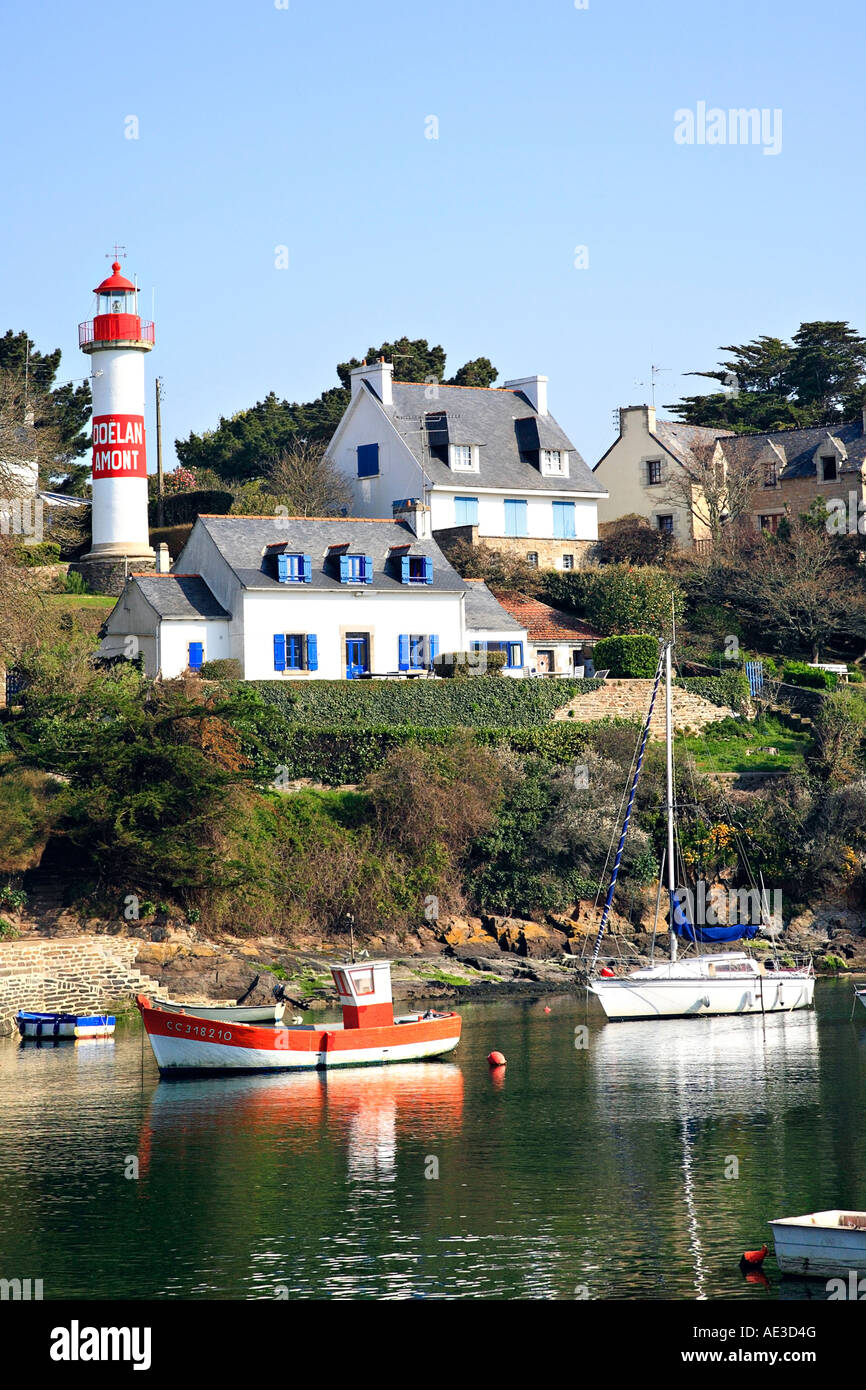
pixel 496 1059
pixel 756 1257
pixel 546 1009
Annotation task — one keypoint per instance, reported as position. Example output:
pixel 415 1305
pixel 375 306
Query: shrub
pixel 8 930
pixel 175 537
pixel 730 690
pixel 225 668
pixel 41 553
pixel 618 598
pixel 628 657
pixel 15 898
pixel 75 583
pixel 801 673
pixel 182 507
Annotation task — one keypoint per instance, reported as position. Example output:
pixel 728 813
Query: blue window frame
pixel 416 569
pixel 465 511
pixel 516 523
pixel 563 521
pixel 356 569
pixel 368 460
pixel 415 651
pixel 295 651
pixel 294 569
pixel 196 655
pixel 513 651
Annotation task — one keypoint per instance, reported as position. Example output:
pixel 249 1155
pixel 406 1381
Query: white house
pixel 491 463
pixel 304 598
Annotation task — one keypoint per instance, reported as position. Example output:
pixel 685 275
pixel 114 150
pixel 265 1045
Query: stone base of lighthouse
pixel 105 569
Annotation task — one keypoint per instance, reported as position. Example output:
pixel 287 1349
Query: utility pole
pixel 160 482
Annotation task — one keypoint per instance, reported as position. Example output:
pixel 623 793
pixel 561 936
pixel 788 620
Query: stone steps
pixel 629 699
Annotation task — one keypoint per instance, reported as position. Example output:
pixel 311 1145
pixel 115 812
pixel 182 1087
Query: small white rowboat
pixel 226 1013
pixel 823 1243
pixel 369 1034
pixel 51 1026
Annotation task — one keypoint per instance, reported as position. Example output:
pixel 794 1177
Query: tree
pixel 631 540
pixel 498 568
pixel 715 490
pixel 243 445
pixel 41 422
pixel 774 385
pixel 309 481
pixel 839 730
pixel 617 598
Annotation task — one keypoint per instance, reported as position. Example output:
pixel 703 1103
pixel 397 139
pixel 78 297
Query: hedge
pixel 812 678
pixel 39 553
pixel 181 507
pixel 222 668
pixel 730 690
pixel 429 704
pixel 631 657
pixel 337 756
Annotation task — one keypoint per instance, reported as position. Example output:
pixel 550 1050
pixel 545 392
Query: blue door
pixel 357 655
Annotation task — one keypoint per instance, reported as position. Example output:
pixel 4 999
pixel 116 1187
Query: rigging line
pixel 617 821
pixel 637 767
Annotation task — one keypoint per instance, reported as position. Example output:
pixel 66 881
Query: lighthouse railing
pixel 118 331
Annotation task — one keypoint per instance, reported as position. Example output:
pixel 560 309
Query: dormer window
pixel 553 461
pixel 771 476
pixel 416 569
pixel 829 469
pixel 294 569
pixel 464 457
pixel 356 569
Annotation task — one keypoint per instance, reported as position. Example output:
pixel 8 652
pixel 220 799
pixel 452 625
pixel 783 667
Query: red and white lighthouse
pixel 117 342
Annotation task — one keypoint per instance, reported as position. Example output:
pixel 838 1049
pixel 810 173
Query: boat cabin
pixel 365 993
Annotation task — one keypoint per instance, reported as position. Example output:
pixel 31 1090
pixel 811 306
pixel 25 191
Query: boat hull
pixel 818 1246
pixel 631 998
pixel 227 1013
pixel 186 1043
pixel 51 1026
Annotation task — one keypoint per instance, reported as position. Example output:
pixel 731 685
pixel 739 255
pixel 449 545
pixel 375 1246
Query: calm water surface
pixel 599 1167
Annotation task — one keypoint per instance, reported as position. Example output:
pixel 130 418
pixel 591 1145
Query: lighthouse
pixel 117 342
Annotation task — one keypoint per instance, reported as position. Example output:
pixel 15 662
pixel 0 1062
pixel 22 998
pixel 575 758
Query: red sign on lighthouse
pixel 119 447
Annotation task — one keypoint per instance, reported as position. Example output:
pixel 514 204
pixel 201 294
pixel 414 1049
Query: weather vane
pixel 117 253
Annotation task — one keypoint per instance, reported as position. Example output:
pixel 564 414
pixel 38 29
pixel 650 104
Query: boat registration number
pixel 200 1030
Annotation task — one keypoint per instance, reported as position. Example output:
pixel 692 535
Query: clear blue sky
pixel 305 127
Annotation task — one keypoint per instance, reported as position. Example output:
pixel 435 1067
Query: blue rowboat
pixel 34 1025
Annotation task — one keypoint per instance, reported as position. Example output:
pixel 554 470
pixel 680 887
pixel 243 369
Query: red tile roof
pixel 544 623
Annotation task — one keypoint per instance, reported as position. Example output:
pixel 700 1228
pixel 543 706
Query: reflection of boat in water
pixel 369 1034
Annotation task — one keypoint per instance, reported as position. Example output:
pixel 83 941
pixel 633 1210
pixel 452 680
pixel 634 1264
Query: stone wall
pixel 549 552
pixel 80 973
pixel 629 699
pixel 109 576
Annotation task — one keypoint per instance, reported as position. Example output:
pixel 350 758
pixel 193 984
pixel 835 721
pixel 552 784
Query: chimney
pixel 416 516
pixel 534 388
pixel 380 377
pixel 163 559
pixel 640 417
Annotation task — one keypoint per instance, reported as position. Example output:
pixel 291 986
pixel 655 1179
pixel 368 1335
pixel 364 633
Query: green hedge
pixel 729 690
pixel 476 703
pixel 336 756
pixel 223 668
pixel 40 553
pixel 630 657
pixel 801 673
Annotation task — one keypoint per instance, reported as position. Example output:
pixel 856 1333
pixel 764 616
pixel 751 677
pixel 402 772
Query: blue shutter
pixel 404 569
pixel 344 569
pixel 306 569
pixel 279 651
pixel 196 655
pixel 563 521
pixel 428 570
pixel 403 644
pixel 312 652
pixel 368 460
pixel 515 517
pixel 367 572
pixel 433 648
pixel 283 568
pixel 466 511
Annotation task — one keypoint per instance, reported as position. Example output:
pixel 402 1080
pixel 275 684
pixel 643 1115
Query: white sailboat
pixel 730 982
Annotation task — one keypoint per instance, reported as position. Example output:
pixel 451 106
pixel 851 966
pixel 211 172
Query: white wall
pixel 491 511
pixel 331 616
pixel 175 636
pixel 200 556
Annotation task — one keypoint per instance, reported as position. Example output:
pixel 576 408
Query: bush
pixel 464 665
pixel 730 690
pixel 226 668
pixel 75 583
pixel 629 657
pixel 618 598
pixel 42 553
pixel 800 673
pixel 422 703
pixel 182 507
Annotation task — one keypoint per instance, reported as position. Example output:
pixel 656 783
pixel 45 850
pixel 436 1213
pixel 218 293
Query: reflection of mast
pixel 692 1214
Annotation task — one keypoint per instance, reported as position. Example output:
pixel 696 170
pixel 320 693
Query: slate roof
pixel 798 447
pixel 688 443
pixel 484 612
pixel 544 623
pixel 501 421
pixel 179 596
pixel 243 540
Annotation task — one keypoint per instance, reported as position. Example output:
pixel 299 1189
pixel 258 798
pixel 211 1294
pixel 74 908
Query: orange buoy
pixel 496 1059
pixel 546 1009
pixel 756 1257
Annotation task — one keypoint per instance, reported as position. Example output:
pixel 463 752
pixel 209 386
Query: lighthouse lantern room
pixel 117 342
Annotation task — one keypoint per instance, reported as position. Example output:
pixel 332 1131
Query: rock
pixel 531 940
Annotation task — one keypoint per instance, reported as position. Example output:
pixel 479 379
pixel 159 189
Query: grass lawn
pixel 70 602
pixel 724 747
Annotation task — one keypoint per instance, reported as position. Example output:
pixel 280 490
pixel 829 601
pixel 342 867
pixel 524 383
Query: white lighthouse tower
pixel 117 342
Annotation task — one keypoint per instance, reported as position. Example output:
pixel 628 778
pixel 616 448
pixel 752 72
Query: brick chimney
pixel 534 388
pixel 380 376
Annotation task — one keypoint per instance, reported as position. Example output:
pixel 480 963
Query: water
pixel 599 1169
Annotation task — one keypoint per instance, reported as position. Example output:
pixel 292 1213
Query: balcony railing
pixel 113 328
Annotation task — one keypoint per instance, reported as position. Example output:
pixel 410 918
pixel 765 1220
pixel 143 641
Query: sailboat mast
pixel 669 763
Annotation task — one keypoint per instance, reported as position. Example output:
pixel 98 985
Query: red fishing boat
pixel 368 1035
